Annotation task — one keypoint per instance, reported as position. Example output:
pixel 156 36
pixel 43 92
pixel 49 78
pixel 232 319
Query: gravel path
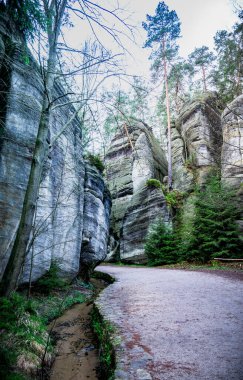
pixel 175 324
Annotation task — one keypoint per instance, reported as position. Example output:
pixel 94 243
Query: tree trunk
pixel 204 78
pixel 168 121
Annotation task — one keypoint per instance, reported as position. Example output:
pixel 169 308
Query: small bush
pixel 96 161
pixel 174 198
pixel 161 245
pixel 50 280
pixel 154 183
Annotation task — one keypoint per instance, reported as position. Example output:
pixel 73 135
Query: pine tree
pixel 227 76
pixel 201 59
pixel 163 29
pixel 161 247
pixel 215 232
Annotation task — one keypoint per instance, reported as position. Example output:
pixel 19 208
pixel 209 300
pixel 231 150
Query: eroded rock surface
pixel 196 141
pixel 59 220
pixel 97 205
pixel 232 150
pixel 134 157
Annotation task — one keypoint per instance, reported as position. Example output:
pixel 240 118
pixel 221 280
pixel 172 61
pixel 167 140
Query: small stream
pixel 77 349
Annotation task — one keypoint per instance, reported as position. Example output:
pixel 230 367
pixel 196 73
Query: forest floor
pixel 175 324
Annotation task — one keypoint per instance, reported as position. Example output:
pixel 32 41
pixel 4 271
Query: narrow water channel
pixel 77 349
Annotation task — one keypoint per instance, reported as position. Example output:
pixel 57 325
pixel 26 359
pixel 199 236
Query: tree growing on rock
pixel 163 29
pixel 178 82
pixel 201 59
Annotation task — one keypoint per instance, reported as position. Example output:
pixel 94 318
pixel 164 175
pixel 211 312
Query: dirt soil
pixel 77 350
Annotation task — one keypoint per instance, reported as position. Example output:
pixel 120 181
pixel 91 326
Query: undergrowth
pixel 24 338
pixel 103 331
pixel 96 161
pixel 26 349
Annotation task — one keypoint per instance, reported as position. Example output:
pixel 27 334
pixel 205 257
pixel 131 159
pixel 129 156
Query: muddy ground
pixel 77 349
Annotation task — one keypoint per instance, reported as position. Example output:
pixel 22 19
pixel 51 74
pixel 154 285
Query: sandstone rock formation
pixel 203 139
pixel 97 205
pixel 232 150
pixel 59 220
pixel 196 141
pixel 134 157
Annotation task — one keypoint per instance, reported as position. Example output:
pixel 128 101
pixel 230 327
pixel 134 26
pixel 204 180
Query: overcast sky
pixel 200 19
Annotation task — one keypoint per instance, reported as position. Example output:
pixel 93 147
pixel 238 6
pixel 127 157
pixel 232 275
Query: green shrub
pixel 214 232
pixel 96 161
pixel 161 245
pixel 174 198
pixel 154 183
pixel 51 280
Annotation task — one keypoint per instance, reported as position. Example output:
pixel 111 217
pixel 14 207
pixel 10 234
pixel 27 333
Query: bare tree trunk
pixel 17 256
pixel 168 122
pixel 204 79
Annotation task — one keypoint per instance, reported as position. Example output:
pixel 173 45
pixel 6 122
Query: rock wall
pixel 232 150
pixel 65 194
pixel 97 205
pixel 134 157
pixel 205 138
pixel 196 141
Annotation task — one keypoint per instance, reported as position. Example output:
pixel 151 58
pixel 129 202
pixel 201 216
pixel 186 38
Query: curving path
pixel 175 324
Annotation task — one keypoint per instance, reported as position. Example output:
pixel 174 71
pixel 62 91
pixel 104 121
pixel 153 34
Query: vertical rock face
pixel 147 205
pixel 97 205
pixel 134 157
pixel 232 150
pixel 59 219
pixel 196 141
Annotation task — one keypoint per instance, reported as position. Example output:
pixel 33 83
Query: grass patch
pixel 96 161
pixel 26 349
pixel 154 183
pixel 103 331
pixel 24 339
